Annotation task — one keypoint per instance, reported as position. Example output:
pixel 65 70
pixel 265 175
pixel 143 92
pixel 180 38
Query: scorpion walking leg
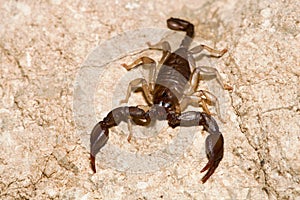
pixel 207 98
pixel 189 100
pixel 161 45
pixel 210 72
pixel 146 62
pixel 100 133
pixel 204 73
pixel 214 144
pixel 198 49
pixel 202 98
pixel 165 47
pixel 140 61
pixel 146 90
pixel 216 53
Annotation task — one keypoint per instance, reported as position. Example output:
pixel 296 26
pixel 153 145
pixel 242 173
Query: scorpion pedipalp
pixel 214 146
pixel 214 143
pixel 98 139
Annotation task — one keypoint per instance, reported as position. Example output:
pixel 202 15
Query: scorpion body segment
pixel 173 76
pixel 174 87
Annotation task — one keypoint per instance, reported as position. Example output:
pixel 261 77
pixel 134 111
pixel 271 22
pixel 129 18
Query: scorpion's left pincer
pixel 99 137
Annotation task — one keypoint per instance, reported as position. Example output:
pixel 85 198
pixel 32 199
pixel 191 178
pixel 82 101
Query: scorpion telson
pixel 168 92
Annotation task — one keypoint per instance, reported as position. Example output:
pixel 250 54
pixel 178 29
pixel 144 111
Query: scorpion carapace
pixel 168 92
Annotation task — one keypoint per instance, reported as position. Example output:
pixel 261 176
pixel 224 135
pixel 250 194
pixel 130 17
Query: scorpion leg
pixel 165 47
pixel 161 45
pixel 204 73
pixel 140 61
pixel 214 143
pixel 203 98
pixel 145 86
pixel 145 62
pixel 100 132
pixel 210 99
pixel 216 53
pixel 188 101
pixel 210 72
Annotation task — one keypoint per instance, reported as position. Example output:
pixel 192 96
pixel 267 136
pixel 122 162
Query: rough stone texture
pixel 43 45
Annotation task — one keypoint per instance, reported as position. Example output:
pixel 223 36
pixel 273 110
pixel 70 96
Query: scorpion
pixel 169 92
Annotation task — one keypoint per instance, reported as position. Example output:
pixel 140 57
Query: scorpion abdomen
pixel 173 75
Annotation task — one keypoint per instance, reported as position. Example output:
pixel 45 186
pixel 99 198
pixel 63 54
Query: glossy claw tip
pixel 93 165
pixel 207 166
pixel 211 167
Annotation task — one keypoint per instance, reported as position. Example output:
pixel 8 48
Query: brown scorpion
pixel 169 92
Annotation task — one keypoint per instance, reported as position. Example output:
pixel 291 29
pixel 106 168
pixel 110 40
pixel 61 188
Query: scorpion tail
pixel 182 25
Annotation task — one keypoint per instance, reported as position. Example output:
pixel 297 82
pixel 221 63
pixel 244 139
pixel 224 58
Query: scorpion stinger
pixel 174 84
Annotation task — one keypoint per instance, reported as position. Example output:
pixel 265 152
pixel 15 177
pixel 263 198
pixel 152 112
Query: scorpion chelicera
pixel 168 92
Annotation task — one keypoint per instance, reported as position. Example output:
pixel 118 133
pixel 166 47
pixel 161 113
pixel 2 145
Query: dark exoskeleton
pixel 169 92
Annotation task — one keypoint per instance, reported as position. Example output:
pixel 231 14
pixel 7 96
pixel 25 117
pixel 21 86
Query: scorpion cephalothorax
pixel 169 92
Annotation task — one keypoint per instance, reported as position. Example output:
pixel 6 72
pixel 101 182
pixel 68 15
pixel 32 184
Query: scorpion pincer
pixel 168 92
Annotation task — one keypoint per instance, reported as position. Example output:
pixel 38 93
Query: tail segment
pixel 182 25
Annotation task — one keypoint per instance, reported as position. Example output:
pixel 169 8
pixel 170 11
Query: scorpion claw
pixel 211 166
pixel 93 165
pixel 98 139
pixel 214 150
